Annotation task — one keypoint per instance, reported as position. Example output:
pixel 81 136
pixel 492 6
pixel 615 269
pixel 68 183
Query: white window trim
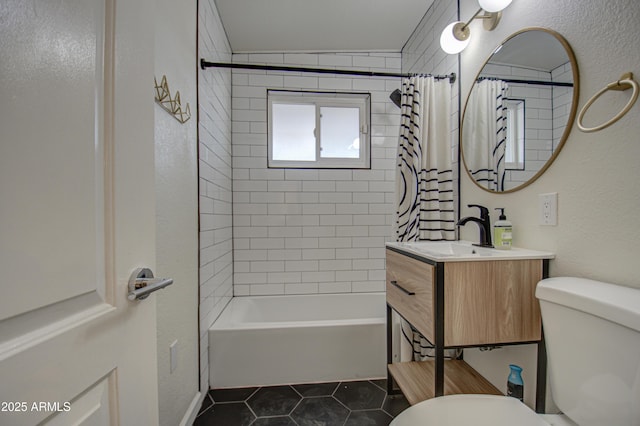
pixel 516 134
pixel 361 101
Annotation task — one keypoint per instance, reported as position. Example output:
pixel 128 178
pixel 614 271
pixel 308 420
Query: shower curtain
pixel 424 177
pixel 485 133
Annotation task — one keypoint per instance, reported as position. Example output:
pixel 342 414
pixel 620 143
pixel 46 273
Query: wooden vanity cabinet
pixel 462 304
pixel 411 292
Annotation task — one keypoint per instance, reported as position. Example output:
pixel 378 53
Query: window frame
pixel 518 107
pixel 360 100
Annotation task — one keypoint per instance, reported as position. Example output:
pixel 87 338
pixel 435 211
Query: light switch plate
pixel 548 208
pixel 173 356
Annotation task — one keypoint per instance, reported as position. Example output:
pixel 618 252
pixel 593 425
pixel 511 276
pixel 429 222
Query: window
pixel 318 130
pixel 514 149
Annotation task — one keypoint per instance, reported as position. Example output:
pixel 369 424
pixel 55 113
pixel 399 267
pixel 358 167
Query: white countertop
pixel 464 251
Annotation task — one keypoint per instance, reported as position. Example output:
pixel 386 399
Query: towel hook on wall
pixel 171 104
pixel 625 82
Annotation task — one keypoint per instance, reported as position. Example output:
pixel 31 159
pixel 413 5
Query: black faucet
pixel 484 223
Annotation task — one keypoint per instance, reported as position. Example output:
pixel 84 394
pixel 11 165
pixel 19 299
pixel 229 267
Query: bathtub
pixel 272 340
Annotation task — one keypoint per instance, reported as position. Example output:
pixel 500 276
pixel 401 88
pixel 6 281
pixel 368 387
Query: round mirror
pixel 520 110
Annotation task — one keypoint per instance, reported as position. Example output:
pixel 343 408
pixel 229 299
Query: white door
pixel 77 212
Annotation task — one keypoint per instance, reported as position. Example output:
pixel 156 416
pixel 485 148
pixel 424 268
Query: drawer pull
pixel 407 292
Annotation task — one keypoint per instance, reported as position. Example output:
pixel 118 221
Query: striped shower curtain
pixel 424 177
pixel 485 133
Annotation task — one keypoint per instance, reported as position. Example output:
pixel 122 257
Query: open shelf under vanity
pixel 462 304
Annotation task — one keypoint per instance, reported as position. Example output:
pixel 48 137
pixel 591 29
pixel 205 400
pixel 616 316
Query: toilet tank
pixel 592 333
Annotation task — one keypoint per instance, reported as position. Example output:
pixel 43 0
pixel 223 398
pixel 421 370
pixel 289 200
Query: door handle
pixel 142 284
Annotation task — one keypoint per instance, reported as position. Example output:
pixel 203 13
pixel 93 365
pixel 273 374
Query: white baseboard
pixel 194 408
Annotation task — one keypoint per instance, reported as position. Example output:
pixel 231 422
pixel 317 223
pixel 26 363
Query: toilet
pixel 592 333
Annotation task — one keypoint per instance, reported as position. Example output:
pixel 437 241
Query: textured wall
pixel 595 175
pixel 304 231
pixel 177 213
pixel 216 267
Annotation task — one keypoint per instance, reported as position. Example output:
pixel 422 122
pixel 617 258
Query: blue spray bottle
pixel 515 385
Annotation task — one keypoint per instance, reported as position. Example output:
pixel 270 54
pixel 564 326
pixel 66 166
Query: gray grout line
pixel 302 397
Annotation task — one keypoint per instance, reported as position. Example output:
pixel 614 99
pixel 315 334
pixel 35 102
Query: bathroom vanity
pixel 459 296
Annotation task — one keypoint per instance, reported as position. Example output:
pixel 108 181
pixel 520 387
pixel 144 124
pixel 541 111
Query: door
pixel 77 212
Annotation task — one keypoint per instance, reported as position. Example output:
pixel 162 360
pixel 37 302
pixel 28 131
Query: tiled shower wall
pixel 422 54
pixel 546 112
pixel 562 99
pixel 305 231
pixel 216 258
pixel 292 231
pixel 538 118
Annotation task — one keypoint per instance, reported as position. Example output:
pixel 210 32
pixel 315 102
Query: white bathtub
pixel 270 340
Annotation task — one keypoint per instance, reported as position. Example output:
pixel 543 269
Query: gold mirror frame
pixel 570 120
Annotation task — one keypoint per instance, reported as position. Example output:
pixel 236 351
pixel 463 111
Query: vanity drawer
pixel 410 291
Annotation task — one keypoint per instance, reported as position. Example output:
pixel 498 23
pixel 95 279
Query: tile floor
pixel 358 403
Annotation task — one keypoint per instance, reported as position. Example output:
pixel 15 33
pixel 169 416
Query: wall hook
pixel 172 105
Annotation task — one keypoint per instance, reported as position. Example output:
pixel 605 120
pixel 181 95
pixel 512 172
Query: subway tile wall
pixel 422 52
pixel 538 118
pixel 290 231
pixel 215 178
pixel 562 101
pixel 546 112
pixel 308 231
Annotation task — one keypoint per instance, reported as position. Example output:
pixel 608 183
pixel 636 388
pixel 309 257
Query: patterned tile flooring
pixel 358 403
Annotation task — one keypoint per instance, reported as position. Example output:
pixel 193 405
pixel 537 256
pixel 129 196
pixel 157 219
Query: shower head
pixel 396 97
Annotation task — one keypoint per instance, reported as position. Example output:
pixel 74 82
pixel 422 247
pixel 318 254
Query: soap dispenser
pixel 502 232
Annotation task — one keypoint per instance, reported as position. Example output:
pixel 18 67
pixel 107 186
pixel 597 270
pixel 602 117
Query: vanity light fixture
pixel 456 35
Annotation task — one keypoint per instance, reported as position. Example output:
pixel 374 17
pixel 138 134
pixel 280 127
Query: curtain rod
pixel 538 82
pixel 206 64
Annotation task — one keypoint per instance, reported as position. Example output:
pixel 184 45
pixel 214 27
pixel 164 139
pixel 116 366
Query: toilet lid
pixel 480 410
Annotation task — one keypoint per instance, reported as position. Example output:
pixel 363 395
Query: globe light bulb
pixel 454 38
pixel 494 5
